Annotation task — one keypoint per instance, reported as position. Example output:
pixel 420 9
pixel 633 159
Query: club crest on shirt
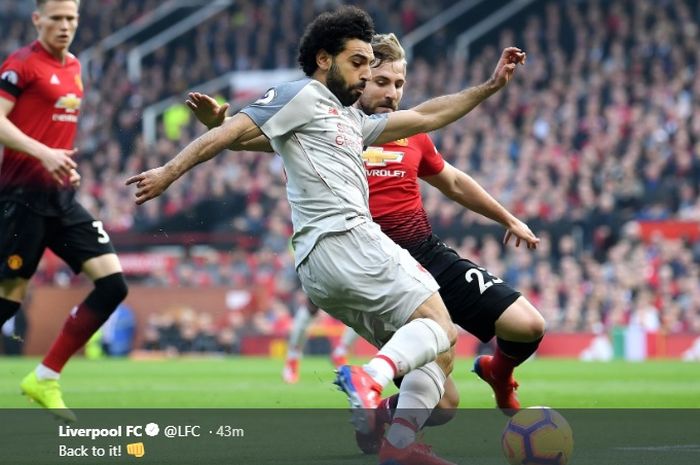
pixel 15 262
pixel 403 142
pixel 377 156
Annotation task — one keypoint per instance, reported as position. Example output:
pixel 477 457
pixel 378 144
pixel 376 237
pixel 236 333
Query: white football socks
pixel 421 390
pixel 44 372
pixel 416 343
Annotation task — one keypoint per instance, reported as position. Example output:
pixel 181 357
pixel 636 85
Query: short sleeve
pixel 283 108
pixel 431 162
pixel 372 127
pixel 13 78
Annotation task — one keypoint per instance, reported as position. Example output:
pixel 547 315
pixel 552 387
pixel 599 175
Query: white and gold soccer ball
pixel 538 436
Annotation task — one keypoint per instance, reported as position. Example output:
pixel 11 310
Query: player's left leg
pixel 519 331
pixel 12 292
pixel 87 317
pixel 84 320
pixel 486 306
pixel 444 412
pixel 420 392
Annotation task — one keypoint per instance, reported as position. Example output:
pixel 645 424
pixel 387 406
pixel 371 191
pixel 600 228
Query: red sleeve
pixel 431 162
pixel 13 78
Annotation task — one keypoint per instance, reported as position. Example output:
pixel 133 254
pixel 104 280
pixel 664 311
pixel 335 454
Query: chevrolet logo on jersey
pixel 377 156
pixel 69 102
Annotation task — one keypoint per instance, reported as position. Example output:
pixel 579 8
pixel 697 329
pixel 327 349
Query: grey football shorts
pixel 365 280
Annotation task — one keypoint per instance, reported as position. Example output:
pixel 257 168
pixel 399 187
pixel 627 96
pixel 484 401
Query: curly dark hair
pixel 329 32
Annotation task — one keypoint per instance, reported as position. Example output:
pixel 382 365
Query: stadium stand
pixel 597 138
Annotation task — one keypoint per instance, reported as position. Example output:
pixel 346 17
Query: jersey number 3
pixel 102 236
pixel 483 277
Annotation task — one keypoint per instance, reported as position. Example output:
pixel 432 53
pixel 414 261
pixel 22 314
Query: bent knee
pixel 535 326
pixel 531 330
pixel 446 409
pixel 521 322
pixel 450 400
pixel 112 289
pixel 441 415
pixel 446 361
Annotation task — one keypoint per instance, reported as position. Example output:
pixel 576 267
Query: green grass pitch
pixel 237 382
pixel 609 406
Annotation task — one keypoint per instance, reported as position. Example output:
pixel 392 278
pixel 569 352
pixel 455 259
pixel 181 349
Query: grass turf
pixel 307 423
pixel 247 382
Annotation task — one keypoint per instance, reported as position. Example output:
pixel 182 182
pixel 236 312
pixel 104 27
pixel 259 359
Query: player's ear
pixel 36 16
pixel 324 60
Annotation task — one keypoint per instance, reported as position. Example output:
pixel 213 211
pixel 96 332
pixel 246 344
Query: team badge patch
pixel 10 76
pixel 267 98
pixel 15 262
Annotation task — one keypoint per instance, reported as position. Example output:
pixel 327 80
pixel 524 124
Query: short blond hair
pixel 387 48
pixel 40 3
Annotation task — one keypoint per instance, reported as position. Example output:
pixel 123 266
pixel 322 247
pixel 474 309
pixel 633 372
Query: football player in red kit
pixel 478 301
pixel 40 95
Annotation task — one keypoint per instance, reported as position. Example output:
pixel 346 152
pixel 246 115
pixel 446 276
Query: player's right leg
pixel 21 247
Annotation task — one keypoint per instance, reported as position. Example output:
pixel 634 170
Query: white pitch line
pixel 677 447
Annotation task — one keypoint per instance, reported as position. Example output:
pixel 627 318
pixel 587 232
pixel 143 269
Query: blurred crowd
pixel 599 130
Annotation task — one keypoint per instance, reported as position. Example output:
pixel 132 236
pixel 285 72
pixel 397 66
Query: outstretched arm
pixel 211 114
pixel 441 111
pixel 150 184
pixel 464 190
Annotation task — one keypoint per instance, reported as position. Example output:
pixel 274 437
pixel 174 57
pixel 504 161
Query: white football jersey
pixel 321 143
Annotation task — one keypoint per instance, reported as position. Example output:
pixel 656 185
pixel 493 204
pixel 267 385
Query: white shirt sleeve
pixel 283 108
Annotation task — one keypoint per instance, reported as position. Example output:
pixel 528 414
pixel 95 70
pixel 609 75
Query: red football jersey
pixel 394 193
pixel 47 95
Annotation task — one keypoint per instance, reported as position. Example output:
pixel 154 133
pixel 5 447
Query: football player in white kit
pixel 347 266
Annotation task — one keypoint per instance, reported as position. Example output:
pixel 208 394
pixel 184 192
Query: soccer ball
pixel 537 436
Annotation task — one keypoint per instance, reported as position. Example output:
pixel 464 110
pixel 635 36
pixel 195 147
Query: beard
pixel 370 108
pixel 339 87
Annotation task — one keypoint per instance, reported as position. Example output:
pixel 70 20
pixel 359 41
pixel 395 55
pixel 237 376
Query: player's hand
pixel 206 109
pixel 58 162
pixel 74 179
pixel 521 232
pixel 511 57
pixel 150 184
